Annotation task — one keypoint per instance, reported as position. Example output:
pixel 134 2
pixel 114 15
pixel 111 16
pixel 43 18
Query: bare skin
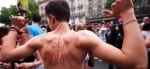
pixel 22 38
pixel 66 49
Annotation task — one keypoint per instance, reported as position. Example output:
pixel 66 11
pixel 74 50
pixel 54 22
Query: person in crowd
pixel 102 31
pixel 148 46
pixel 145 21
pixel 65 49
pixel 35 28
pixel 3 32
pixel 79 26
pixel 90 54
pixel 146 28
pixel 28 62
pixel 44 29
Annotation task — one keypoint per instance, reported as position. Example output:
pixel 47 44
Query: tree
pixel 108 4
pixel 7 12
pixel 33 6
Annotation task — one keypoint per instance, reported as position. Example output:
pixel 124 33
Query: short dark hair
pixel 3 31
pixel 60 9
pixel 36 17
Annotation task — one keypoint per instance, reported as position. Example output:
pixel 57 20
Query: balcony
pixel 80 6
pixel 72 8
pixel 142 9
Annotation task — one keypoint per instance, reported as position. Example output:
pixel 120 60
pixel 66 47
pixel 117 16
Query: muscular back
pixel 61 51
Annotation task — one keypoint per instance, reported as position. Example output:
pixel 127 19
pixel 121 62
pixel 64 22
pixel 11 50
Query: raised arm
pixel 9 52
pixel 133 54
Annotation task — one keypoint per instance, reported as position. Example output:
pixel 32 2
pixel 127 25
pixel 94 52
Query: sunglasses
pixel 20 32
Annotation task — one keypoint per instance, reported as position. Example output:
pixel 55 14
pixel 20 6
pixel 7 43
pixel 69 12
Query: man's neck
pixel 35 23
pixel 62 26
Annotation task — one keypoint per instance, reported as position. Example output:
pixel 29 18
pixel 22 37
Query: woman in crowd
pixel 28 62
pixel 3 32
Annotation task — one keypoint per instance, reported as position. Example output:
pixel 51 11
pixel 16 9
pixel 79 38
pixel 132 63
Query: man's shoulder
pixel 38 38
pixel 37 41
pixel 78 34
pixel 86 33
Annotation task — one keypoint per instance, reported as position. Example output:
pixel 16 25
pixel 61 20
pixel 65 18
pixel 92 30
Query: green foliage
pixel 108 4
pixel 33 6
pixel 5 13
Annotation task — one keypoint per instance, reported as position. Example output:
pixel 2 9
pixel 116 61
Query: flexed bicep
pixel 17 53
pixel 9 52
pixel 103 50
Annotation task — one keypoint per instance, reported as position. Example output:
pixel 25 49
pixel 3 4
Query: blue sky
pixel 7 3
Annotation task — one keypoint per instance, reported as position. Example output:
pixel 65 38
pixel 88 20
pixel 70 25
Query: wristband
pixel 131 21
pixel 13 29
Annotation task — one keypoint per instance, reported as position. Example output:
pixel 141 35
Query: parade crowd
pixel 124 42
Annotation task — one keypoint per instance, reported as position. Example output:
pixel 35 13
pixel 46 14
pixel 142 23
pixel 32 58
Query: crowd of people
pixel 24 46
pixel 24 34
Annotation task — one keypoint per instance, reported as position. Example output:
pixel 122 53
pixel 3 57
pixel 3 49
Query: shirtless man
pixel 66 49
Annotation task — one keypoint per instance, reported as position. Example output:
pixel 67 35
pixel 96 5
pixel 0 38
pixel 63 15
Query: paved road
pixel 101 65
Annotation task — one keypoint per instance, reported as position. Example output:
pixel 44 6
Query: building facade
pixel 42 4
pixel 95 8
pixel 142 6
pixel 80 10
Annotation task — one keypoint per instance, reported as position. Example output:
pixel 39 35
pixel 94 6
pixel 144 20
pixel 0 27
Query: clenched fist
pixel 18 21
pixel 120 7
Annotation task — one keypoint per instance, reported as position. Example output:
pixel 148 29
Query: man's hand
pixel 119 7
pixel 18 21
pixel 26 65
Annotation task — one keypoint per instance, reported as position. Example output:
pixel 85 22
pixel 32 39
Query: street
pixel 101 65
